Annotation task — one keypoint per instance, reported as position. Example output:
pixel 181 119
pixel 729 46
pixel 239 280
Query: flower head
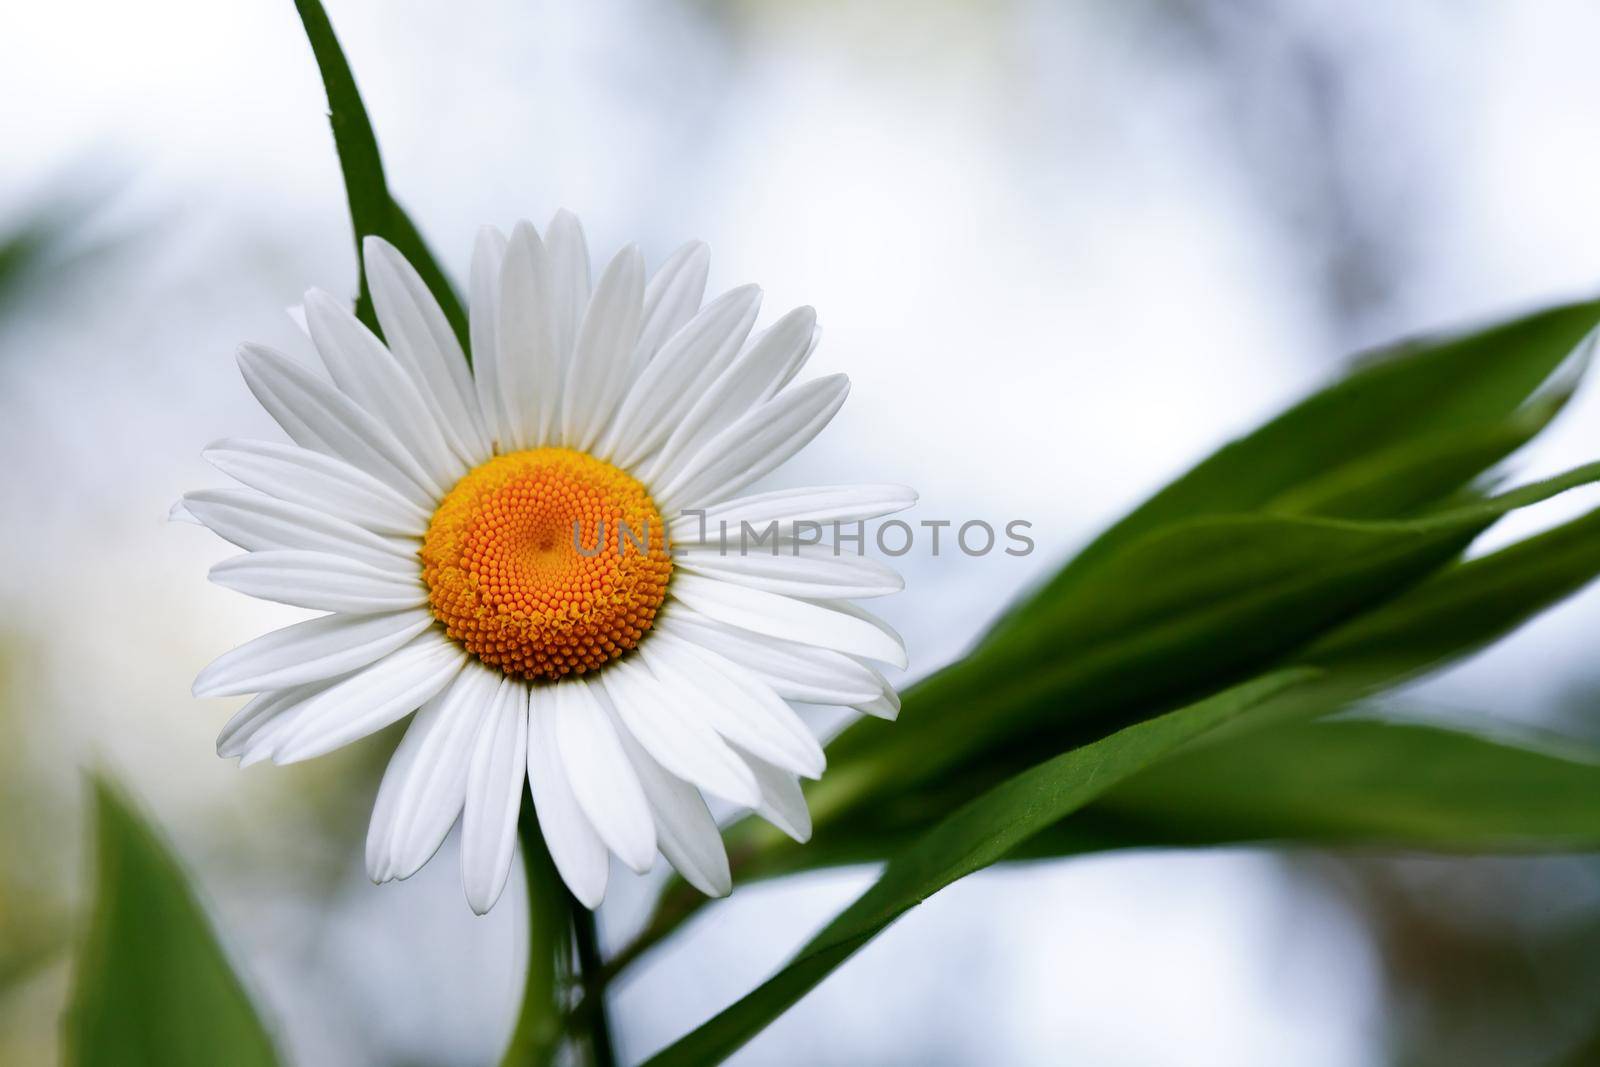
pixel 526 552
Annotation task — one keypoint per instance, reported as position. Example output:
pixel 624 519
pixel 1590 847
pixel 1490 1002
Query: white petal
pixel 320 582
pixel 488 254
pixel 575 848
pixel 600 775
pixel 371 699
pixel 851 608
pixel 820 505
pixel 494 796
pixel 685 831
pixel 257 522
pixel 426 780
pixel 794 671
pixel 322 482
pixel 794 368
pixel 761 441
pixel 530 366
pixel 782 803
pixel 261 716
pixel 602 365
pixel 736 704
pixel 766 361
pixel 680 740
pixel 684 368
pixel 787 618
pixel 569 280
pixel 797 570
pixel 420 336
pixel 369 374
pixel 317 416
pixel 310 651
pixel 179 513
pixel 884 706
pixel 672 298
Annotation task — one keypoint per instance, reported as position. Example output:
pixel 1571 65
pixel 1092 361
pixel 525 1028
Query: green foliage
pixel 1448 616
pixel 152 985
pixel 373 211
pixel 1398 785
pixel 1163 620
pixel 1370 433
pixel 1309 565
pixel 1235 565
pixel 970 839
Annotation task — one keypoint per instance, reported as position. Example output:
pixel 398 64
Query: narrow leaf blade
pixel 373 211
pixel 972 838
pixel 1362 781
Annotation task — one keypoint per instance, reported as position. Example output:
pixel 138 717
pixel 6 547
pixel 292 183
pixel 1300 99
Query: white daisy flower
pixel 510 550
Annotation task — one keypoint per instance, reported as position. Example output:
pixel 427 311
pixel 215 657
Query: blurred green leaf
pixel 152 986
pixel 1164 620
pixel 974 837
pixel 50 243
pixel 373 211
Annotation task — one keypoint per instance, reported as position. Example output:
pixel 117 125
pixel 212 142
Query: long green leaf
pixel 973 838
pixel 1414 474
pixel 1356 782
pixel 152 986
pixel 1366 782
pixel 1430 388
pixel 1163 621
pixel 1462 609
pixel 373 211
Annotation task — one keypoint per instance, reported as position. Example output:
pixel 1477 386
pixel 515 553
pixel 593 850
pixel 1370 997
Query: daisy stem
pixel 540 1028
pixel 593 978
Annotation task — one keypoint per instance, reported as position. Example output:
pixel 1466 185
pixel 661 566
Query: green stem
pixel 540 1027
pixel 602 1048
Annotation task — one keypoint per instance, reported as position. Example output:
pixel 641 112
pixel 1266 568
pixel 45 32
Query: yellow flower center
pixel 546 562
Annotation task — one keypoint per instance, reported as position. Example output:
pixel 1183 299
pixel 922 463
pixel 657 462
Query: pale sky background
pixel 1063 250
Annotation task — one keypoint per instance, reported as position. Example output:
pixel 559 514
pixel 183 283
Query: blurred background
pixel 1062 249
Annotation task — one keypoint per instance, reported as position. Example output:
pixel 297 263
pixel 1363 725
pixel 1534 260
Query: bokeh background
pixel 1062 249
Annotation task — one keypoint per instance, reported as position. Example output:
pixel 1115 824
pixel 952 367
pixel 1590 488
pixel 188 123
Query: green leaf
pixel 152 985
pixel 1439 621
pixel 1348 782
pixel 1405 479
pixel 1354 781
pixel 373 211
pixel 1163 621
pixel 1226 571
pixel 1463 608
pixel 976 836
pixel 1429 389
